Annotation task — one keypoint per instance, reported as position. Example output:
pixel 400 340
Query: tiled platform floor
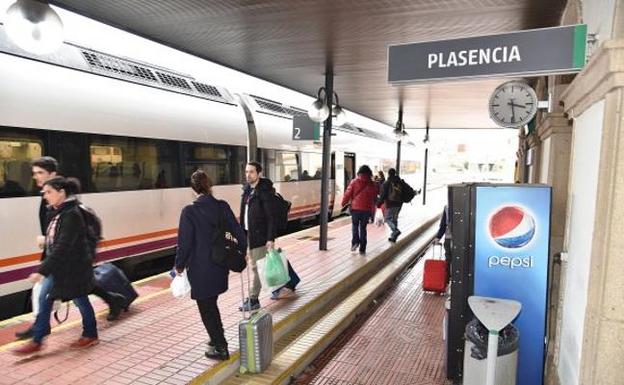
pixel 162 339
pixel 398 342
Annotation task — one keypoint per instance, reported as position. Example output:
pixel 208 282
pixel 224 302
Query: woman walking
pixel 362 194
pixel 196 234
pixel 67 264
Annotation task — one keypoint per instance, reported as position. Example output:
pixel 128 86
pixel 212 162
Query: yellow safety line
pixel 317 300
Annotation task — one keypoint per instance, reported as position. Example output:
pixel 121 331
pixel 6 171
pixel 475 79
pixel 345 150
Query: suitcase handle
pixel 433 249
pixel 248 289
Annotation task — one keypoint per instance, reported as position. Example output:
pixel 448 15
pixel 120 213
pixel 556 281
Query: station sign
pixel 305 129
pixel 545 51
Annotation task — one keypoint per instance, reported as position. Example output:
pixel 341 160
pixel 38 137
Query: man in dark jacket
pixel 257 218
pixel 44 169
pixel 391 196
pixel 442 232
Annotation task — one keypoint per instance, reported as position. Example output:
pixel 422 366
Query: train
pixel 133 132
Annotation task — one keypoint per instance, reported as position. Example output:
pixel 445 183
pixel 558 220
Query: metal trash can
pixel 475 354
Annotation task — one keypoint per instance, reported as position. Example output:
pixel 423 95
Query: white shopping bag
pixel 180 286
pixel 379 218
pixel 36 292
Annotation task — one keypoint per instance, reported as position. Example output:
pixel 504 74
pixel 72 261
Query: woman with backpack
pixel 197 232
pixel 67 264
pixel 361 194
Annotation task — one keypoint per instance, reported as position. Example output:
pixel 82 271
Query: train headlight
pixel 34 26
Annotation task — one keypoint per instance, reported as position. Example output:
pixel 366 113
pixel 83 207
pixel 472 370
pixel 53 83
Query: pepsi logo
pixel 511 227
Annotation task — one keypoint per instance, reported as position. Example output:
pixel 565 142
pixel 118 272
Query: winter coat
pixel 68 257
pixel 261 227
pixel 196 234
pixel 385 192
pixel 362 193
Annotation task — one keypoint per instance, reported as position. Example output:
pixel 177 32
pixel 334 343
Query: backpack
pixel 93 225
pixel 407 192
pixel 395 192
pixel 281 208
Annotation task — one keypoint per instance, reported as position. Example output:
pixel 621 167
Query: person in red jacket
pixel 362 194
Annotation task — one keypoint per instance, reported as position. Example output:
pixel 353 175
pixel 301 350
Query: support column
pixel 399 126
pixel 555 134
pixel 602 355
pixel 326 165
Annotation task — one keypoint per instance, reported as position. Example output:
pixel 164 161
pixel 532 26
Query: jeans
pixel 392 219
pixel 41 328
pixel 211 318
pixel 46 286
pixel 359 221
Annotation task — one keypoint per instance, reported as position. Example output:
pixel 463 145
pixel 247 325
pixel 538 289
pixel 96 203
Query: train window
pixel 212 159
pixel 311 165
pixel 16 153
pixel 119 164
pixel 286 167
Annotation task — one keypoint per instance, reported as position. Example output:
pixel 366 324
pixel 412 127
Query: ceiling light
pixel 34 26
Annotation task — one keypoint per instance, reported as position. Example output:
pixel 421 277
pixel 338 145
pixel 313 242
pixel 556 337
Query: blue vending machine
pixel 500 236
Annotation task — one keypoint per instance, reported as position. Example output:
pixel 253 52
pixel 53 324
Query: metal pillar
pixel 398 157
pixel 424 187
pixel 327 127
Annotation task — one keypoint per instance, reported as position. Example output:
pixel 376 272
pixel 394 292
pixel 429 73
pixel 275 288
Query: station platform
pixel 162 340
pixel 397 341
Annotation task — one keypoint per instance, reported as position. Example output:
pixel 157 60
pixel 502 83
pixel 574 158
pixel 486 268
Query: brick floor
pixel 399 341
pixel 162 339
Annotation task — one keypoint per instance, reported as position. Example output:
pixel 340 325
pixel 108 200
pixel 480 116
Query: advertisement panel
pixel 512 231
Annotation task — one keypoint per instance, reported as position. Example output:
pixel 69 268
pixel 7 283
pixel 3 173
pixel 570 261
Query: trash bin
pixel 475 354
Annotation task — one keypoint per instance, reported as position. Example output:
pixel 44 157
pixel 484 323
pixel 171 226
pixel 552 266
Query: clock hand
pixel 513 114
pixel 515 105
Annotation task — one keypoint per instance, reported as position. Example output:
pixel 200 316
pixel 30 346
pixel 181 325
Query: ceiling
pixel 290 42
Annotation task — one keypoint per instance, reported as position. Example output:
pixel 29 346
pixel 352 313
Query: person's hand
pixel 179 270
pixel 436 240
pixel 270 245
pixel 40 241
pixel 35 277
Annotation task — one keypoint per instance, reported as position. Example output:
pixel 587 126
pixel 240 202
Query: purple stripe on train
pixel 18 274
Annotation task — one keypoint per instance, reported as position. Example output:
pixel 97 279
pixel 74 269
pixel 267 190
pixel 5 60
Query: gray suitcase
pixel 255 338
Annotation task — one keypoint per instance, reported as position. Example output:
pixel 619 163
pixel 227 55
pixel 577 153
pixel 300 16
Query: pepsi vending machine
pixel 500 236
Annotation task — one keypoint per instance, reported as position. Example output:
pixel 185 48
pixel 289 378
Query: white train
pixel 133 133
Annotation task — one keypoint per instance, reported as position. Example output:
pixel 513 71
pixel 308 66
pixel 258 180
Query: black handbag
pixel 225 251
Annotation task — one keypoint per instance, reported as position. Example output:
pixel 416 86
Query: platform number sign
pixel 305 129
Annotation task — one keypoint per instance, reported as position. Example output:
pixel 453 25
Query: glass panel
pixel 119 164
pixel 286 167
pixel 311 165
pixel 16 153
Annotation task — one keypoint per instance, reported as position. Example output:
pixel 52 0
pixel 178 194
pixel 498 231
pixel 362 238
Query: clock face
pixel 513 104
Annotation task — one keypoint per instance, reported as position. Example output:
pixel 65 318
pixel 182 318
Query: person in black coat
pixel 67 265
pixel 257 218
pixel 196 234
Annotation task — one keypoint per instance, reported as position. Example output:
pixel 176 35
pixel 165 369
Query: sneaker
pixel 117 304
pixel 29 348
pixel 285 293
pixel 219 353
pixel 354 247
pixel 26 334
pixel 84 342
pixel 362 252
pixel 392 239
pixel 211 348
pixel 250 304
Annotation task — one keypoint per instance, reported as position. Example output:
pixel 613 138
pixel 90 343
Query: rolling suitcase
pixel 255 339
pixel 110 278
pixel 435 273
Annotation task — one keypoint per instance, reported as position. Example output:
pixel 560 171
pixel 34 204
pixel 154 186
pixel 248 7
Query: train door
pixel 349 168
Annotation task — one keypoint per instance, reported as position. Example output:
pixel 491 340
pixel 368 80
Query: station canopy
pixel 290 42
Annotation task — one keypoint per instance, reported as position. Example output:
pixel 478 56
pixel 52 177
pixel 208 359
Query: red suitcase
pixel 434 275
